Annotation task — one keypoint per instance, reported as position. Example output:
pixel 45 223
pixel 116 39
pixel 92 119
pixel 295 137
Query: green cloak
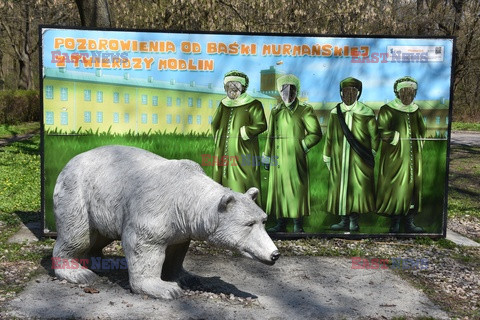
pixel 399 186
pixel 351 184
pixel 292 132
pixel 235 128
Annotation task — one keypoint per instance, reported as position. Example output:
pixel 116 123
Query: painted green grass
pixel 59 149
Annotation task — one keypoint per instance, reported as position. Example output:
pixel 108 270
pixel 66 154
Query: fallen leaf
pixel 90 290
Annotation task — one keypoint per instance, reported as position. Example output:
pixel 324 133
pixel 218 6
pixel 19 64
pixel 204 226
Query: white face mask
pixel 288 94
pixel 233 89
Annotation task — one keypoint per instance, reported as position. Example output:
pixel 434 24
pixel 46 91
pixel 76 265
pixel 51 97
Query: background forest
pixel 19 46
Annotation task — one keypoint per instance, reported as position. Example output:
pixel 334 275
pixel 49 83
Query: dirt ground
pixel 237 288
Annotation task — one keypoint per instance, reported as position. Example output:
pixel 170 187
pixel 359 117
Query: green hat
pixel 404 82
pixel 236 75
pixel 352 82
pixel 288 79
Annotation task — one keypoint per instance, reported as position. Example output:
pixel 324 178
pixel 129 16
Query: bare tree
pixel 94 13
pixel 19 23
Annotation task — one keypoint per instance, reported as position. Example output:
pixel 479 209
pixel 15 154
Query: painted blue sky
pixel 319 76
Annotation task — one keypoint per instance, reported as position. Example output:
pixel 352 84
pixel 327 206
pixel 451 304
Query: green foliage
pixel 19 106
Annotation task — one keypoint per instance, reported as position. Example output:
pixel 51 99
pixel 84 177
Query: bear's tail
pixel 79 274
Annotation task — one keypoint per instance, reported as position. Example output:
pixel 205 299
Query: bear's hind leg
pixel 74 235
pixel 145 262
pixel 64 254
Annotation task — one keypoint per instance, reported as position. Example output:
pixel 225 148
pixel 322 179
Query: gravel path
pixel 238 288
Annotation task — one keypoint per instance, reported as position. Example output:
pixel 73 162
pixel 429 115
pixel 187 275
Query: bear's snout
pixel 275 255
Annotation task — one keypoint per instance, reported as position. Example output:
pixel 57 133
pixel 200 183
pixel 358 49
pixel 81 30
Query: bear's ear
pixel 226 199
pixel 252 193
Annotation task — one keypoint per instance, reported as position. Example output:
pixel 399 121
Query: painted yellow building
pixel 77 102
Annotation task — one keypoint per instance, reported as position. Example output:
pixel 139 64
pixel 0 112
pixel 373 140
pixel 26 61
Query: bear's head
pixel 240 225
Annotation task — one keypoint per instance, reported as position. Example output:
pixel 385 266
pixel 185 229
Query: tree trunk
pixel 94 13
pixel 25 80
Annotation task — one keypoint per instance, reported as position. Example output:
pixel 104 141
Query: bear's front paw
pixel 158 289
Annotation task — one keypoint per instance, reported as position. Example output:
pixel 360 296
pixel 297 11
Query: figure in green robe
pixel 402 131
pixel 348 153
pixel 238 121
pixel 293 131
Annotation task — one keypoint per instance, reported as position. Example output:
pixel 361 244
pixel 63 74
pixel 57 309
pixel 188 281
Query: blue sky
pixel 319 76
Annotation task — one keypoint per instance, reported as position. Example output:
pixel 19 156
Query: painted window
pixel 155 101
pixel 169 119
pixel 87 95
pixel 99 96
pixel 446 120
pixel 199 103
pixel 49 92
pixel 179 102
pixel 424 119
pixel 210 103
pixel 437 119
pixel 64 94
pixel 144 99
pixel 199 119
pixel 155 118
pixel 126 97
pixel 126 117
pixel 190 119
pixel 144 118
pixel 190 102
pixel 99 117
pixel 210 119
pixel 49 117
pixel 116 117
pixel 116 97
pixel 169 101
pixel 87 117
pixel 178 119
pixel 322 120
pixel 64 118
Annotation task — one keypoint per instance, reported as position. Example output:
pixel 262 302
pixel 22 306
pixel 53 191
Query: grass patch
pixel 465 126
pixel 20 202
pixel 20 176
pixel 424 241
pixel 464 181
pixel 445 243
pixel 7 131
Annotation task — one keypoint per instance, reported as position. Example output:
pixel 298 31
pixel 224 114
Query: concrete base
pixel 29 232
pixel 460 240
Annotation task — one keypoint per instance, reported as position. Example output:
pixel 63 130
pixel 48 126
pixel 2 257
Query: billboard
pixel 343 136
